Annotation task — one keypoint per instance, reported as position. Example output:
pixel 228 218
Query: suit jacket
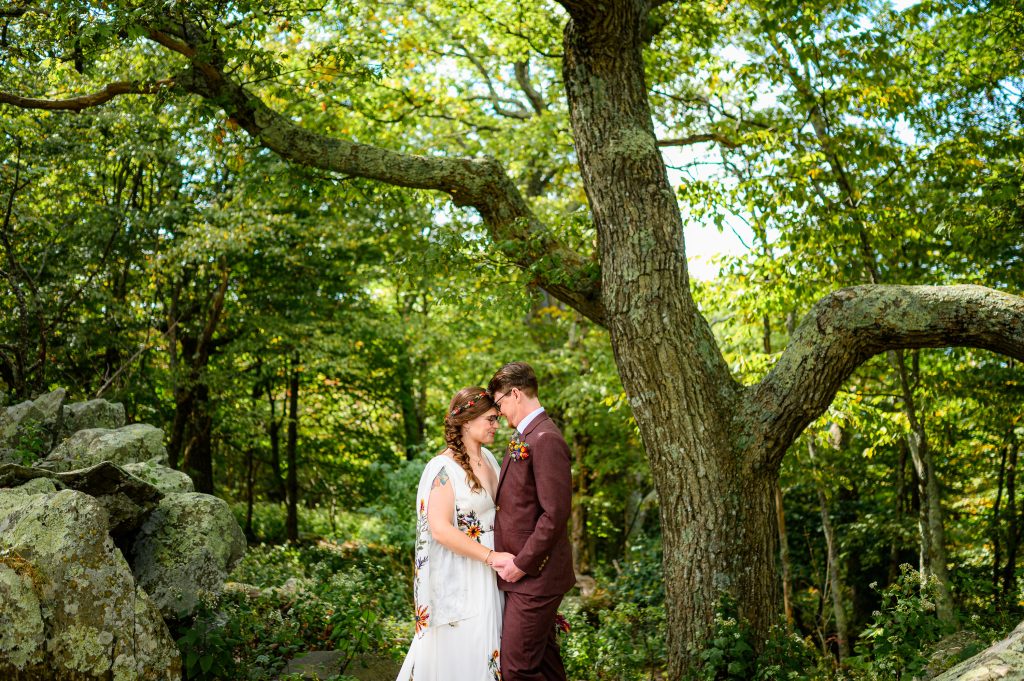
pixel 534 500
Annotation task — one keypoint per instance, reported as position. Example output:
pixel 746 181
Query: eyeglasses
pixel 497 402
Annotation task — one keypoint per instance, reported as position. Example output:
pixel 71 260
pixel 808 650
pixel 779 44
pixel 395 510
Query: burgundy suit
pixel 534 500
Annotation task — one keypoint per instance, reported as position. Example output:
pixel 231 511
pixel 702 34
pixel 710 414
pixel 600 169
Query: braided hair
pixel 465 406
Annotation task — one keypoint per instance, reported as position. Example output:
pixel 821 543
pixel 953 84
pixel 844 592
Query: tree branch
pixel 699 138
pixel 522 70
pixel 481 183
pixel 88 101
pixel 848 327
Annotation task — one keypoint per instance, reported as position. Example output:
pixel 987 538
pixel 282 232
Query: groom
pixel 533 558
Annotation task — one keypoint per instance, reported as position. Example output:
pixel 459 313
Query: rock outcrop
pixel 74 609
pixel 99 542
pixel 1003 661
pixel 129 444
pixel 185 548
pixel 31 428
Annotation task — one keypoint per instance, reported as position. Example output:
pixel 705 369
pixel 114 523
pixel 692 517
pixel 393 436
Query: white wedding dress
pixel 458 605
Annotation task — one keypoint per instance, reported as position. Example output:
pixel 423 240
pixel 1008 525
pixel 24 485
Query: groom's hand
pixel 510 573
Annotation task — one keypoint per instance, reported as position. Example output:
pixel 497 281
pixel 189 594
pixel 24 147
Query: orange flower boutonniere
pixel 518 450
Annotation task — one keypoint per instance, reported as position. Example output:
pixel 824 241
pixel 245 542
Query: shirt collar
pixel 529 418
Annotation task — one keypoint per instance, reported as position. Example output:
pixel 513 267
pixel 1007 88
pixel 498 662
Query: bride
pixel 458 605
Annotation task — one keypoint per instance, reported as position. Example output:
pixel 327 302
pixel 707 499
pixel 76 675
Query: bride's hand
pixel 499 559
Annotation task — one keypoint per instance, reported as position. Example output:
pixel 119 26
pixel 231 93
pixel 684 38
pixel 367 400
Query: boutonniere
pixel 518 450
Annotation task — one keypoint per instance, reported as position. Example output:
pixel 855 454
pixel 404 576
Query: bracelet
pixel 487 558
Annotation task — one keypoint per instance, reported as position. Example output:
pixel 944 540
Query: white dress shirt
pixel 521 428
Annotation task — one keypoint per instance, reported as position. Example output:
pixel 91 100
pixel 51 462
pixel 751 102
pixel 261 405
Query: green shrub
pixel 731 653
pixel 893 644
pixel 626 642
pixel 337 598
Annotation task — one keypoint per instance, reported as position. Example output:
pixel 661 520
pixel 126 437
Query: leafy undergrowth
pixel 285 600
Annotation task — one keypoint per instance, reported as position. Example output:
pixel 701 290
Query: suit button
pixel 497 508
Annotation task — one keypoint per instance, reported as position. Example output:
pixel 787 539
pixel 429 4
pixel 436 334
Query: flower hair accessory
pixel 518 450
pixel 458 410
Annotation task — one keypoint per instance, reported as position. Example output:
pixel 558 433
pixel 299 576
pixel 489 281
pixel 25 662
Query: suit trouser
pixel 529 648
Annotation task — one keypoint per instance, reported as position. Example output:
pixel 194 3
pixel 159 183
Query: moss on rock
pixel 185 548
pixel 84 593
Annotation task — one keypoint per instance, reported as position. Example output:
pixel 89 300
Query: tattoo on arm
pixel 440 480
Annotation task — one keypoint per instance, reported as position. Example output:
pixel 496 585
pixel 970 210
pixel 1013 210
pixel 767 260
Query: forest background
pixel 298 332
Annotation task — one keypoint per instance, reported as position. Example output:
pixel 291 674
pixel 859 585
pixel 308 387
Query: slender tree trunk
pixel 934 557
pixel 997 530
pixel 250 474
pixel 832 546
pixel 278 489
pixel 1012 525
pixel 412 418
pixel 182 410
pixel 901 492
pixel 578 522
pixel 199 453
pixel 292 521
pixel 787 580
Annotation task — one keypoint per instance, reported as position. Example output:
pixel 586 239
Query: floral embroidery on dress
pixel 470 525
pixel 494 666
pixel 422 618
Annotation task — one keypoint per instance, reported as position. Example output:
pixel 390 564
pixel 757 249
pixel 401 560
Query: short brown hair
pixel 514 375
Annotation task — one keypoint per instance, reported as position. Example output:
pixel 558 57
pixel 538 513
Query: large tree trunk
pixel 717 510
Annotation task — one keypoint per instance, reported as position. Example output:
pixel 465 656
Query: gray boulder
pixel 165 479
pixel 29 429
pixel 1003 661
pixel 125 498
pixel 92 414
pixel 137 442
pixel 69 607
pixel 15 475
pixel 184 550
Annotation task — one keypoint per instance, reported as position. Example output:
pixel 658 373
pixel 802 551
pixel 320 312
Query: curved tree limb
pixel 848 327
pixel 82 102
pixel 480 183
